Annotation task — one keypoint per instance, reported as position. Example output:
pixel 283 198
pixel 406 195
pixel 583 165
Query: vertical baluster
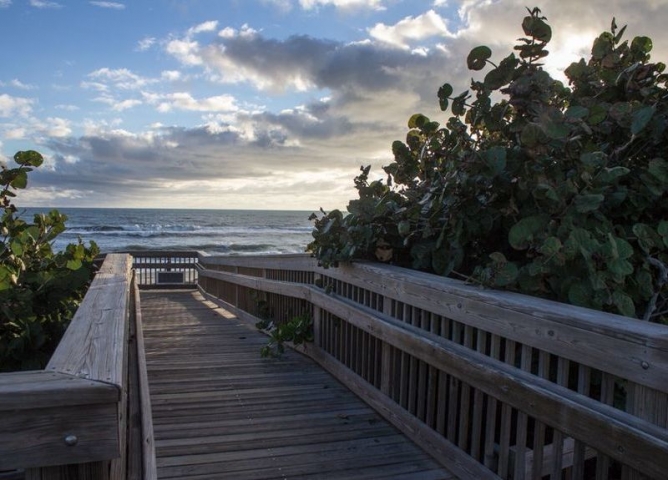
pixel 432 379
pixel 478 403
pixel 490 423
pixel 522 423
pixel 607 396
pixel 579 449
pixel 506 419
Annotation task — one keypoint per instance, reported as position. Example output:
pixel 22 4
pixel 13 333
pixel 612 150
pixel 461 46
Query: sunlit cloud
pixel 343 4
pixel 430 24
pixel 110 5
pixel 121 78
pixel 10 106
pixel 185 101
pixel 44 4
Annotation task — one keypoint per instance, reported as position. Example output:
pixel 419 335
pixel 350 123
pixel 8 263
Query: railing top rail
pixel 93 346
pixel 626 347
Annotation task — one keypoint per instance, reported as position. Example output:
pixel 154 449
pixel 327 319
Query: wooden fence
pixel 165 269
pixel 493 384
pixel 85 415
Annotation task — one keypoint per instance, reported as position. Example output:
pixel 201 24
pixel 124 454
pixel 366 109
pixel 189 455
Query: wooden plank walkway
pixel 222 411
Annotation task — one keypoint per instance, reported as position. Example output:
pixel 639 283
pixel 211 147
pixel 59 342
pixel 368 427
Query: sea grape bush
pixel 39 289
pixel 554 191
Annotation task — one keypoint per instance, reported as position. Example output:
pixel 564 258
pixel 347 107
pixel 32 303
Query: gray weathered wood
pixel 541 399
pixel 81 396
pixel 94 345
pixel 254 417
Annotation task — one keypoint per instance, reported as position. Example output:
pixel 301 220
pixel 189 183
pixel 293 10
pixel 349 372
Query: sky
pixel 250 104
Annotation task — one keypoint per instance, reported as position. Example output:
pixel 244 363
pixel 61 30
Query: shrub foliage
pixel 533 186
pixel 39 289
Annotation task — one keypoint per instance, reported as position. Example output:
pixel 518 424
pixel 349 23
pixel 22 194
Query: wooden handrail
pixel 73 411
pixel 409 313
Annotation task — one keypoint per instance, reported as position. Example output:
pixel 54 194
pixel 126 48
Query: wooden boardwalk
pixel 220 411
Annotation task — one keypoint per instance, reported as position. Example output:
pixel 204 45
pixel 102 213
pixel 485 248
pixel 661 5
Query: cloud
pixel 186 51
pixel 15 83
pixel 185 101
pixel 209 26
pixel 11 106
pixel 424 26
pixel 44 4
pixel 145 43
pixel 69 108
pixel 120 78
pixel 56 127
pixel 5 3
pixel 345 5
pixel 109 5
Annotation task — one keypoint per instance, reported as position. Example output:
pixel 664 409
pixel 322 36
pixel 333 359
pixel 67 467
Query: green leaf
pixel 620 267
pixel 537 28
pixel 594 159
pixel 610 175
pixel 532 134
pixel 498 257
pixel 662 230
pixel 658 167
pixel 17 248
pixel 404 228
pixel 588 202
pixel 577 112
pixel 580 294
pixel 29 158
pixel 495 158
pixel 641 118
pixel 506 275
pixel 550 246
pixel 459 103
pixel 647 237
pixel 443 95
pixel 20 180
pixel 522 233
pixel 624 303
pixel 478 57
pixel 641 45
pixel 417 121
pixel 597 114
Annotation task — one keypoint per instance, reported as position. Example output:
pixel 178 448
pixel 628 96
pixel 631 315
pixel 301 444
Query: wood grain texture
pixel 578 334
pixel 94 345
pixel 222 411
pixel 34 438
pixel 621 436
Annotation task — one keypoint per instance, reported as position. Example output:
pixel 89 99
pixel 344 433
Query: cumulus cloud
pixel 427 25
pixel 209 26
pixel 371 86
pixel 110 5
pixel 185 101
pixel 11 106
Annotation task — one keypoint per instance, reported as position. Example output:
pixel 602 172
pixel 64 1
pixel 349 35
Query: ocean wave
pixel 136 231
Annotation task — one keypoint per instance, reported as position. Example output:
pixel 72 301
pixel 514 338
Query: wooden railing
pixel 493 384
pixel 80 418
pixel 165 269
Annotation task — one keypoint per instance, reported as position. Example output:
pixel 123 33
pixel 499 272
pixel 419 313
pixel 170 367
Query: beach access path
pixel 220 410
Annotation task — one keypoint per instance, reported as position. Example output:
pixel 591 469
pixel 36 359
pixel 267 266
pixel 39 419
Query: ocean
pixel 219 232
